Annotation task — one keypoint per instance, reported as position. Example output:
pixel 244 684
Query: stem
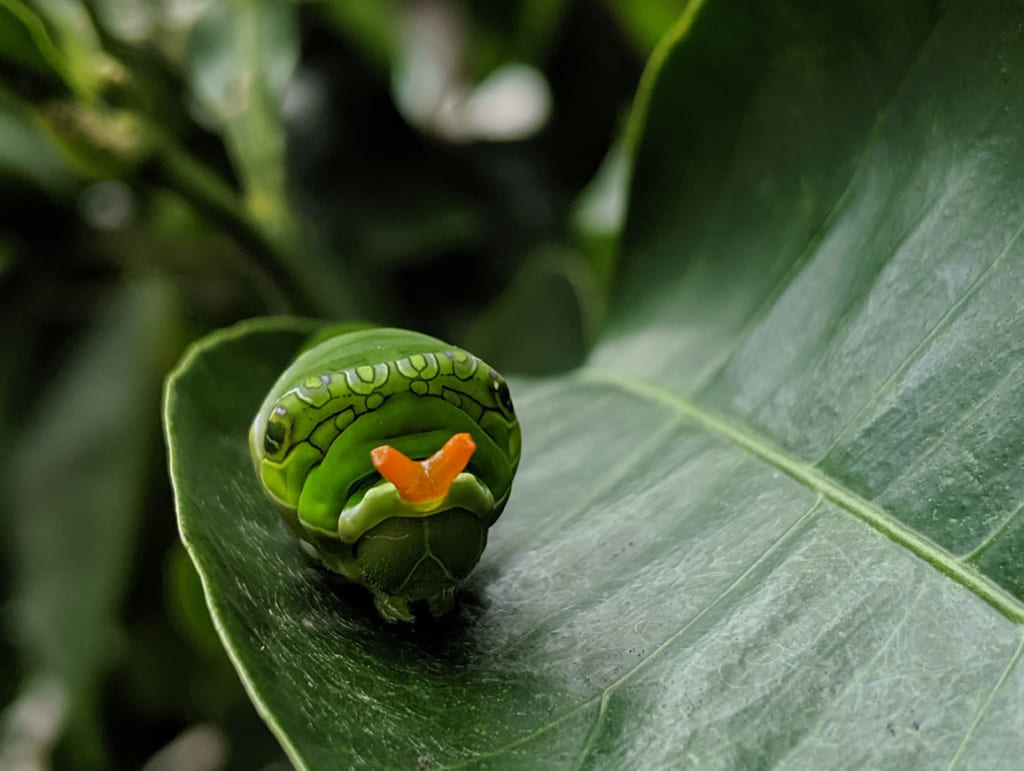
pixel 178 171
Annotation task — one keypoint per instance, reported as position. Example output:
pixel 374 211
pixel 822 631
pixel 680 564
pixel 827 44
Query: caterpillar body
pixel 390 454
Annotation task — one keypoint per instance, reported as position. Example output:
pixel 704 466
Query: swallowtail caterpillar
pixel 390 454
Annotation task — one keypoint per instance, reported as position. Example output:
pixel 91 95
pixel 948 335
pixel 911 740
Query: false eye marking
pixel 502 396
pixel 273 439
pixel 318 392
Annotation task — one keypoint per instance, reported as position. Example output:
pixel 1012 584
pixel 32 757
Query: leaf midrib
pixel 814 479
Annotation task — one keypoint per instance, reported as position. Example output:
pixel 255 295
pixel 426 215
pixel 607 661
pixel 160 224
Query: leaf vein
pixel 995 533
pixel 856 679
pixel 988 702
pixel 816 480
pixel 890 382
pixel 594 732
pixel 951 429
pixel 604 696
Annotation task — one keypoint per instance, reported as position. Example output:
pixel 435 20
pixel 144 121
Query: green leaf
pixel 554 297
pixel 240 57
pixel 75 486
pixel 24 152
pixel 775 520
pixel 645 21
pixel 56 39
pixel 24 42
pixel 371 27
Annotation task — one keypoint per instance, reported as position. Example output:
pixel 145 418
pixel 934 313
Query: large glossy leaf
pixel 774 522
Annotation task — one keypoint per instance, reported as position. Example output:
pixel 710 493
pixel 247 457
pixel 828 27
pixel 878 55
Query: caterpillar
pixel 390 454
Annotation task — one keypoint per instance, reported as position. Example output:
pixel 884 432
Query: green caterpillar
pixel 390 454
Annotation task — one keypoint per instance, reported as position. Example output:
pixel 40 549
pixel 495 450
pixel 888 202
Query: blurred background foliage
pixel 168 167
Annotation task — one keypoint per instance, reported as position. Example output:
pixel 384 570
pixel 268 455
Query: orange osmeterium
pixel 422 481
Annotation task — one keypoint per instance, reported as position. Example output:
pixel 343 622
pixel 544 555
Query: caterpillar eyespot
pixel 390 454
